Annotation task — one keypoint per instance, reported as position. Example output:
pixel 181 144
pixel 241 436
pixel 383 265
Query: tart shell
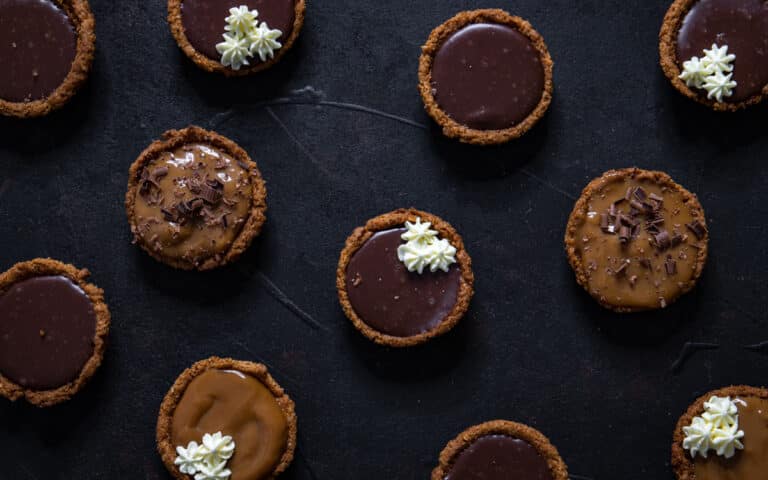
pixel 211 65
pixel 173 139
pixel 396 219
pixel 530 435
pixel 165 418
pixel 580 211
pixel 673 20
pixel 43 267
pixel 682 464
pixel 452 128
pixel 79 13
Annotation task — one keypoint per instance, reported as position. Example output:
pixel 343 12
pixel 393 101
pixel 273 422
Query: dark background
pixel 340 135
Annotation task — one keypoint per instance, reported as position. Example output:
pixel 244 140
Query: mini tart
pixel 165 445
pixel 395 220
pixel 209 64
pixel 46 267
pixel 533 437
pixel 685 254
pixel 671 64
pixel 682 464
pixel 250 222
pixel 81 19
pixel 452 128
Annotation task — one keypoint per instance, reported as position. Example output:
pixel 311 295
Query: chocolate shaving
pixel 662 240
pixel 209 194
pixel 646 262
pixel 670 265
pixel 624 234
pixel 640 194
pixel 623 266
pixel 697 228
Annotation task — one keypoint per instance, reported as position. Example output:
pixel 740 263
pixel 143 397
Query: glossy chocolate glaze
pixel 487 76
pixel 239 405
pixel 204 20
pixel 393 300
pixel 750 463
pixel 47 327
pixel 37 47
pixel 499 457
pixel 740 24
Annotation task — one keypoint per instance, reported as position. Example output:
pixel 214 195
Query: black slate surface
pixel 339 133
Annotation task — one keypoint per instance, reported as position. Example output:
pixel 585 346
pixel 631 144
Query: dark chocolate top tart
pixel 239 399
pixel 691 26
pixel 53 328
pixel 198 25
pixel 46 50
pixel 500 450
pixel 388 303
pixel 485 76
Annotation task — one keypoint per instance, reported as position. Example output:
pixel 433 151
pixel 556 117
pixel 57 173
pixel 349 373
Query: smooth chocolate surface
pixel 647 265
pixel 499 457
pixel 239 405
pixel 204 20
pixel 393 300
pixel 37 47
pixel 740 24
pixel 487 76
pixel 192 203
pixel 750 463
pixel 47 326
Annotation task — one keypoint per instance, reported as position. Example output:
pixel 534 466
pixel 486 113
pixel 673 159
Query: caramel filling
pixel 192 203
pixel 639 247
pixel 750 463
pixel 239 405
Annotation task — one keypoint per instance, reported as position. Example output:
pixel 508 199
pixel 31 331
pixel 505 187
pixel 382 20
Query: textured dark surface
pixel 534 348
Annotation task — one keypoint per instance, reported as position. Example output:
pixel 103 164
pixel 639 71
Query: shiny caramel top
pixel 192 203
pixel 639 240
pixel 238 405
pixel 750 463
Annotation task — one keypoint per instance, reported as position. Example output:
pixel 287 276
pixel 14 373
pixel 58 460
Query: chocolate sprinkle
pixel 670 265
pixel 697 228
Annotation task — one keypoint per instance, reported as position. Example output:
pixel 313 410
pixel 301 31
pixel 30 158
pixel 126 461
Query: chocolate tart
pixel 195 199
pixel 387 303
pixel 693 25
pixel 483 99
pixel 198 25
pixel 636 249
pixel 238 398
pixel 46 49
pixel 53 331
pixel 748 464
pixel 499 450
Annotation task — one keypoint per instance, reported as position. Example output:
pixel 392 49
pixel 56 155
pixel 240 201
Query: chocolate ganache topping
pixel 487 76
pixel 499 457
pixel 47 329
pixel 204 20
pixel 37 48
pixel 750 463
pixel 742 25
pixel 192 203
pixel 238 405
pixel 393 300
